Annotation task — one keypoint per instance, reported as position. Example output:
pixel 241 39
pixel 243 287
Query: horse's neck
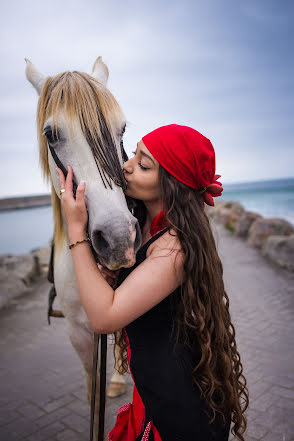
pixel 61 242
pixel 63 253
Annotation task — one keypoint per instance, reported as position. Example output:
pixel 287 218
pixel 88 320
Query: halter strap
pixel 61 166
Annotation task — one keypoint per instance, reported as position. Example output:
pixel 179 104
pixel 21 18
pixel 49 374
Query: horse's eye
pixel 52 137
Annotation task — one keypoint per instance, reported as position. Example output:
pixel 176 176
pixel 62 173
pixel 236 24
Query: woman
pixel 171 304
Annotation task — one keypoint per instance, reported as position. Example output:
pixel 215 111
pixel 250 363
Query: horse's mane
pixel 80 97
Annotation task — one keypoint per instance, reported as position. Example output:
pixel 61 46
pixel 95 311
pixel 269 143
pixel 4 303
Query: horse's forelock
pixel 79 97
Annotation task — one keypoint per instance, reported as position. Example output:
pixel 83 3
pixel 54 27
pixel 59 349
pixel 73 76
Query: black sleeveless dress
pixel 166 403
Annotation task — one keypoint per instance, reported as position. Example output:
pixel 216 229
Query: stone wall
pixel 21 202
pixel 274 237
pixel 18 274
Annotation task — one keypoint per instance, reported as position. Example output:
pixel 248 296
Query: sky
pixel 224 68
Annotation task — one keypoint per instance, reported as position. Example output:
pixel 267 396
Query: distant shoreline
pixel 21 202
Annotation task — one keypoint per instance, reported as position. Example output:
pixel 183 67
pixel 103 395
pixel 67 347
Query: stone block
pixel 17 275
pixel 280 250
pixel 228 213
pixel 245 222
pixel 262 229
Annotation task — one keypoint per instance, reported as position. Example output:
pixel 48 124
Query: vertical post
pixel 94 379
pixel 102 386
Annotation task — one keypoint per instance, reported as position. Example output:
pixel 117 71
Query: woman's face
pixel 142 175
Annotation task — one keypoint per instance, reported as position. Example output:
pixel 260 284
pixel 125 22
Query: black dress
pixel 162 373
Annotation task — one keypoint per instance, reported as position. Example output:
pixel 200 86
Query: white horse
pixel 80 121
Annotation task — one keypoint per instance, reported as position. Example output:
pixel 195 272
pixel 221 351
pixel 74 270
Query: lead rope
pixel 102 395
pixel 102 385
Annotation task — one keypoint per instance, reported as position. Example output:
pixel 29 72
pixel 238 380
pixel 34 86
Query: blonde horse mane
pixel 80 97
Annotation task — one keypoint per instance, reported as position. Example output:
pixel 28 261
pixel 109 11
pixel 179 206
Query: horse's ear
pixel 35 77
pixel 100 71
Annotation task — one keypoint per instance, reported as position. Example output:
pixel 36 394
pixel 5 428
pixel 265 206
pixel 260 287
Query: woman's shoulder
pixel 167 242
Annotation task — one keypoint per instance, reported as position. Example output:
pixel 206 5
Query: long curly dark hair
pixel 202 314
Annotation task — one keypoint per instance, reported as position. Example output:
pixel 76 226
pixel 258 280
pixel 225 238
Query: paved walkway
pixel 42 387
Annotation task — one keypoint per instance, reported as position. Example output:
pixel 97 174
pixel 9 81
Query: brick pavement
pixel 42 388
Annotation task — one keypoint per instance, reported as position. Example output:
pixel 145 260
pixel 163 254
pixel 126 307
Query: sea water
pixel 24 230
pixel 271 198
pixel 31 228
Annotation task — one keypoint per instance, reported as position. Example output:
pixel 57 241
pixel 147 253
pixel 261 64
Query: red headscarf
pixel 188 156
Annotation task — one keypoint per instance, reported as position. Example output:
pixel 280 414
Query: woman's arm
pixel 152 281
pixel 95 293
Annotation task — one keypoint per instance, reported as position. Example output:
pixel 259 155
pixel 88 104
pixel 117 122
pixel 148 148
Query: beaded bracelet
pixel 78 241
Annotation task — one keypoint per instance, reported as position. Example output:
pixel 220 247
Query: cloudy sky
pixel 222 67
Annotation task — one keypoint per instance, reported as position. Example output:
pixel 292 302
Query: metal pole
pixel 102 387
pixel 94 378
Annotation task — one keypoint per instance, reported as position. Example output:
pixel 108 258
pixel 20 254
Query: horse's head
pixel 81 124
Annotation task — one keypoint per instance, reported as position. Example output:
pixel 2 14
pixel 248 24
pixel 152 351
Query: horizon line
pixel 225 183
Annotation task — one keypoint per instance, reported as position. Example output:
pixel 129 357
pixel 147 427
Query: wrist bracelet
pixel 78 241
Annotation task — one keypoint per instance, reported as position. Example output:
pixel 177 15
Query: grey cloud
pixel 226 71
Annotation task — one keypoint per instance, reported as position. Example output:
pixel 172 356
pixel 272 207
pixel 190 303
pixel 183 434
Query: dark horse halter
pixel 107 174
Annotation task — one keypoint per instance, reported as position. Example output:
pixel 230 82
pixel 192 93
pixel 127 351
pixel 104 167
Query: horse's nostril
pixel 100 243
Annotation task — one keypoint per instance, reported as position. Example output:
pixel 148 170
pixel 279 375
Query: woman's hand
pixel 111 277
pixel 74 210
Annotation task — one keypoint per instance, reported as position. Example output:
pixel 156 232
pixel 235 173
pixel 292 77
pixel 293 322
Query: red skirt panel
pixel 130 419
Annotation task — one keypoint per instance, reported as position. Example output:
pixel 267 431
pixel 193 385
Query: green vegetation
pixel 32 278
pixel 230 228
